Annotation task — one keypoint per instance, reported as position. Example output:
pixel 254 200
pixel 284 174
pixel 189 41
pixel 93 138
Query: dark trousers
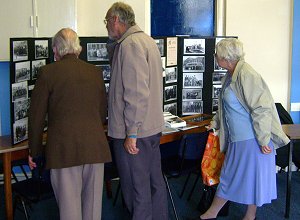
pixel 142 183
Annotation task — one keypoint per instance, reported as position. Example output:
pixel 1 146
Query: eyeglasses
pixel 107 19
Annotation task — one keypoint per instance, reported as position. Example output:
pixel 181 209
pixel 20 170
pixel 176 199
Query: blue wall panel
pixel 5 98
pixel 295 88
pixel 182 17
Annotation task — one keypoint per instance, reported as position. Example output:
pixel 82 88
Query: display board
pixel 191 76
pixel 27 55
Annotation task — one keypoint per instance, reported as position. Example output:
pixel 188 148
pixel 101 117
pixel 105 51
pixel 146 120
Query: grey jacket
pixel 135 93
pixel 255 96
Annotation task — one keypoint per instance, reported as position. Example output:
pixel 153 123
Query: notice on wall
pixel 171 51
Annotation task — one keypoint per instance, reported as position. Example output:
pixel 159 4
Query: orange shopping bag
pixel 212 161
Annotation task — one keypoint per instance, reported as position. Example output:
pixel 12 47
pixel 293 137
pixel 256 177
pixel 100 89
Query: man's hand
pixel 31 164
pixel 130 145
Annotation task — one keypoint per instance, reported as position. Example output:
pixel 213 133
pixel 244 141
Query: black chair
pixel 34 189
pixel 282 154
pixel 17 163
pixel 185 161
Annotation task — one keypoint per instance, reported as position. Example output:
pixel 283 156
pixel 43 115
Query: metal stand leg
pixel 171 197
pixel 185 183
pixel 289 179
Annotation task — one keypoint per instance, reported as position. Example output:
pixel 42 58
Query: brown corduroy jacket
pixel 72 93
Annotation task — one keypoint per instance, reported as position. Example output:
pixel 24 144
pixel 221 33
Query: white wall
pixel 91 13
pixel 264 27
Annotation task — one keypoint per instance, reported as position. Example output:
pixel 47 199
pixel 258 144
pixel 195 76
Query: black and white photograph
pixel 171 74
pixel 105 71
pixel 35 66
pixel 217 67
pixel 188 94
pixel 41 49
pixel 216 91
pixel 97 52
pixel 217 77
pixel 194 46
pixel 20 50
pixel 106 87
pixel 22 71
pixel 193 64
pixel 19 91
pixel 192 80
pixel 20 130
pixel 163 63
pixel 192 107
pixel 160 45
pixel 170 93
pixel 215 103
pixel 21 109
pixel 172 108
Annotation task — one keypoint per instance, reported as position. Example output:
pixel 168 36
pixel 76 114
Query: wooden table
pixel 9 153
pixel 293 132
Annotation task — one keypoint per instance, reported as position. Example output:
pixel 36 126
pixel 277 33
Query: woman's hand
pixel 266 149
pixel 209 127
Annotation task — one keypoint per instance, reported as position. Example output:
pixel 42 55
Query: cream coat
pixel 255 96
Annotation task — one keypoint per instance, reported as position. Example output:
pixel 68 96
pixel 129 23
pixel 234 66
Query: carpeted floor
pixel 47 210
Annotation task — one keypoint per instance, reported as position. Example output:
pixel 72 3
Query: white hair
pixel 230 49
pixel 66 41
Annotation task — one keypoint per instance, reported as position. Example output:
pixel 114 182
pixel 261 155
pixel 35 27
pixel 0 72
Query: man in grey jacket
pixel 135 118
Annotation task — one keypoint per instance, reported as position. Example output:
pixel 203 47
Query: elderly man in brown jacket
pixel 72 93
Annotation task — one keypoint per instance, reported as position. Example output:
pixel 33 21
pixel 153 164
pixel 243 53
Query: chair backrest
pixel 284 116
pixel 192 146
pixel 38 187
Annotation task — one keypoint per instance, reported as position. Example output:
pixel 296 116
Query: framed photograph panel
pixel 191 94
pixel 192 80
pixel 21 109
pixel 171 74
pixel 106 87
pixel 193 64
pixel 20 128
pixel 172 108
pixel 160 45
pixel 35 66
pixel 215 103
pixel 97 52
pixel 20 50
pixel 192 107
pixel 22 71
pixel 41 49
pixel 216 91
pixel 217 67
pixel 194 46
pixel 217 77
pixel 19 91
pixel 170 93
pixel 106 71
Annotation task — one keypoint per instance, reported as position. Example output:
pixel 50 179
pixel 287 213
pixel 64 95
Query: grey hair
pixel 66 41
pixel 230 49
pixel 124 12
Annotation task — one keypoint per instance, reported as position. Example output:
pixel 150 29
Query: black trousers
pixel 142 183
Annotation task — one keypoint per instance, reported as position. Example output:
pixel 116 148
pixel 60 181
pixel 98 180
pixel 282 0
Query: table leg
pixel 7 185
pixel 289 180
